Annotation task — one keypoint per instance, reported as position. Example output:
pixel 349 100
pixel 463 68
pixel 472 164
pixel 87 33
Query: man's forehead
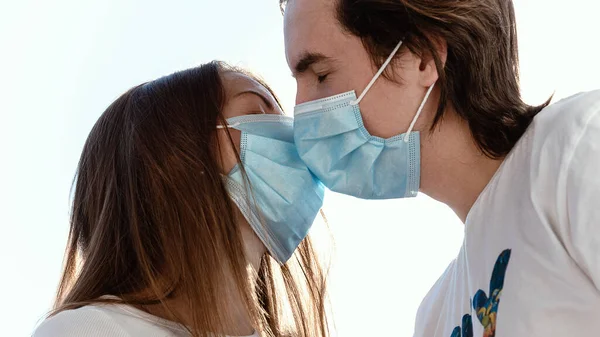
pixel 309 27
pixel 309 6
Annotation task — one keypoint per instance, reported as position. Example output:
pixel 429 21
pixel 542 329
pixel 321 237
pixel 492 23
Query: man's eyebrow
pixel 307 60
pixel 253 92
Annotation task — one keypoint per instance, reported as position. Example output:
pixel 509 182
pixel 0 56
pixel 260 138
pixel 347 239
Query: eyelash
pixel 322 78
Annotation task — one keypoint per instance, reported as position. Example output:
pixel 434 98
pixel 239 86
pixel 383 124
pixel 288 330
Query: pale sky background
pixel 63 62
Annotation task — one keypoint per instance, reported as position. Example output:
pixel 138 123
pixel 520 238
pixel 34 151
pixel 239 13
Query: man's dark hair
pixel 480 77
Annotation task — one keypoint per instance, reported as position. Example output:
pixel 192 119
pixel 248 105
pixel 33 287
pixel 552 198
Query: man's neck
pixel 453 169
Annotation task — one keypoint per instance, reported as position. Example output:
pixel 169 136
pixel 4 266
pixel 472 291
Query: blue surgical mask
pixel 281 197
pixel 333 142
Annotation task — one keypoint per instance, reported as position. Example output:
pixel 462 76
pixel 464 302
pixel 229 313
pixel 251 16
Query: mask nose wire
pixel 412 124
pixel 379 72
pixel 228 126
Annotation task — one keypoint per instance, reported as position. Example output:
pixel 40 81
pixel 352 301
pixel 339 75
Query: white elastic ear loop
pixel 412 124
pixel 228 126
pixel 379 72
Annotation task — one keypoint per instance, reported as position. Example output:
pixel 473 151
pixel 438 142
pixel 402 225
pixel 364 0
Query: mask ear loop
pixel 228 126
pixel 379 72
pixel 412 124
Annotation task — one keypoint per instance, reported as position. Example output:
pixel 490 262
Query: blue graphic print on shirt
pixel 486 308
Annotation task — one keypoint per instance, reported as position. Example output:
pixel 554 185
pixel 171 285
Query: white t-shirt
pixel 530 261
pixel 109 320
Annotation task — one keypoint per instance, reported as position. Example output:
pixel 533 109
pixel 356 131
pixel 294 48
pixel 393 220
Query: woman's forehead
pixel 235 82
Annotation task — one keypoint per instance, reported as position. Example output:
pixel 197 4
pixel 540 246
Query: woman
pixel 190 199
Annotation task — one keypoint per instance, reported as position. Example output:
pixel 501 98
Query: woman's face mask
pixel 281 197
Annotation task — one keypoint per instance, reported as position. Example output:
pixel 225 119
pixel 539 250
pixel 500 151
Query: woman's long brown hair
pixel 152 220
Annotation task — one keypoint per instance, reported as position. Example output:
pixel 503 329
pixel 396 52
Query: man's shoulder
pixel 556 131
pixel 568 117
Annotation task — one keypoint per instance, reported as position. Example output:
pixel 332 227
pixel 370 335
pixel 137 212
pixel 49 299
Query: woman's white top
pixel 109 320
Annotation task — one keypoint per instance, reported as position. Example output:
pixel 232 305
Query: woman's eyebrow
pixel 267 101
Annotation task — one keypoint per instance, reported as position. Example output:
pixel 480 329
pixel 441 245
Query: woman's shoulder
pixel 107 320
pixel 93 321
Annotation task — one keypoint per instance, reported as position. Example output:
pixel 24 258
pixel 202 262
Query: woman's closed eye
pixel 256 103
pixel 248 104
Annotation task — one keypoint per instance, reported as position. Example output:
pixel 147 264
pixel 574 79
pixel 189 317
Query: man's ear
pixel 429 72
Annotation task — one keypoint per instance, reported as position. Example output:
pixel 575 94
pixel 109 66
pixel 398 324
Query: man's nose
pixel 304 95
pixel 301 96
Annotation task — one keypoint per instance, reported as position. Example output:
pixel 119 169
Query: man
pixel 400 96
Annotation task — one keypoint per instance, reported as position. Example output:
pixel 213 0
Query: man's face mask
pixel 333 142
